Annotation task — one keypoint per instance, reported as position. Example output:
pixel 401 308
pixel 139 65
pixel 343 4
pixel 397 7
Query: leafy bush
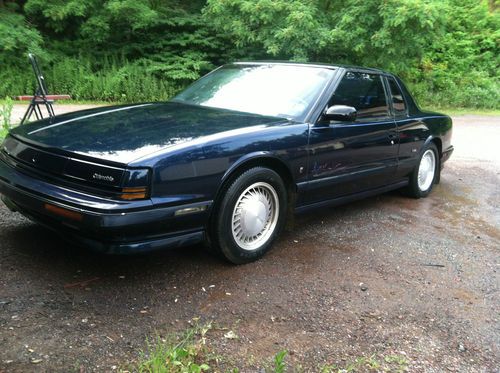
pixel 5 117
pixel 473 90
pixel 118 80
pixel 144 50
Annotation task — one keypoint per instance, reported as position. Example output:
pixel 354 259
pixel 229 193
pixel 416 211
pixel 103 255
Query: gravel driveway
pixel 19 109
pixel 384 276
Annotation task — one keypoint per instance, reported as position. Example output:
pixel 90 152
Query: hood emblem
pixel 100 177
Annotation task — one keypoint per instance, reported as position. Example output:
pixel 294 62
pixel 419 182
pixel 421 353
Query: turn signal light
pixel 65 213
pixel 134 193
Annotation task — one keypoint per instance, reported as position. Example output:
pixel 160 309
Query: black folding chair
pixel 40 97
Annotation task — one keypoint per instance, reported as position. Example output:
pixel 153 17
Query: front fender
pixel 251 158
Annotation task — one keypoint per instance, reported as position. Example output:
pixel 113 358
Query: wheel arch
pixel 259 159
pixel 437 141
pixel 439 145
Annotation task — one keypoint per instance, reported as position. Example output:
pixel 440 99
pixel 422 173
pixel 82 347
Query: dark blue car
pixel 226 160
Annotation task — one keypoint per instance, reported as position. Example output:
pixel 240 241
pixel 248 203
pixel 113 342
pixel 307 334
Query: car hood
pixel 125 133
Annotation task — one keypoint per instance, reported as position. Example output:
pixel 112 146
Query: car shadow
pixel 40 253
pixel 33 248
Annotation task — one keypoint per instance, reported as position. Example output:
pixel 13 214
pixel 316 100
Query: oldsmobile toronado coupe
pixel 225 161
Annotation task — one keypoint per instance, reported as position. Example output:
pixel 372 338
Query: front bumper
pixel 100 224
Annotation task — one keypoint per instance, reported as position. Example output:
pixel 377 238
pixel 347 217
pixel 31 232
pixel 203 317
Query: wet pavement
pixel 384 276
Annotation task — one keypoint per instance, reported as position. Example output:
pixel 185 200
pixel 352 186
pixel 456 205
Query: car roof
pixel 311 64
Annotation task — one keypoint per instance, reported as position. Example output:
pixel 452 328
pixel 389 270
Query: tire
pixel 250 216
pixel 429 168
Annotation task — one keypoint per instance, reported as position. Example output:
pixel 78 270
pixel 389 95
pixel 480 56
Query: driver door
pixel 348 157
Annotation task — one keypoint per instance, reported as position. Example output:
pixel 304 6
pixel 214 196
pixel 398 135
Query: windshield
pixel 277 90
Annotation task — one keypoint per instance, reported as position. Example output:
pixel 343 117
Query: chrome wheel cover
pixel 426 170
pixel 255 216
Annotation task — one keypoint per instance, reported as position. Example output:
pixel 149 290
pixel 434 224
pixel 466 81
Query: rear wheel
pixel 250 215
pixel 425 174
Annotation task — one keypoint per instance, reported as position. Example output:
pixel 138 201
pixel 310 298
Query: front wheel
pixel 425 173
pixel 250 215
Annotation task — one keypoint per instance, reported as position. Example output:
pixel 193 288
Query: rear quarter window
pixel 398 101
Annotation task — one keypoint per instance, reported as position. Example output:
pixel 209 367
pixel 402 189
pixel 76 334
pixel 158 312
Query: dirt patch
pixel 386 275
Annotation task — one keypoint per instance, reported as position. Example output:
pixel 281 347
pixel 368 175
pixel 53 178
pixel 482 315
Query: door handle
pixel 393 137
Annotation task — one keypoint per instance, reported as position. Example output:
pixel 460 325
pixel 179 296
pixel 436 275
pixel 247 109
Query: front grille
pixel 63 170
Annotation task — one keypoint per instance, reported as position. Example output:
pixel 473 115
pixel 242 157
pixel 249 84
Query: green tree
pixel 462 66
pixel 376 33
pixel 167 38
pixel 290 29
pixel 432 44
pixel 130 50
pixel 17 36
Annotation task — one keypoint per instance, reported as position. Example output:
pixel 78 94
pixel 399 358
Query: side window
pixel 398 102
pixel 365 92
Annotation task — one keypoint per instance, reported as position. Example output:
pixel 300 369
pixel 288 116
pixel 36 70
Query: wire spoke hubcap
pixel 255 216
pixel 426 170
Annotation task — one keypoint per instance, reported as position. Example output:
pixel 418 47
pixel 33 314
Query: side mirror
pixel 341 113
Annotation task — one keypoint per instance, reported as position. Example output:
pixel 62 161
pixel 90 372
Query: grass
pixel 463 111
pixel 184 353
pixel 115 80
pixel 279 362
pixel 190 352
pixel 5 117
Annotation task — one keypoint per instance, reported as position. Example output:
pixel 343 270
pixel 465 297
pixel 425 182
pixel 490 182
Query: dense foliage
pixel 135 50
